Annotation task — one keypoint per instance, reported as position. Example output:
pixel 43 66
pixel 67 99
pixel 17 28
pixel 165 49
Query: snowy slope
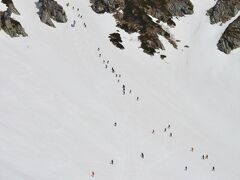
pixel 58 102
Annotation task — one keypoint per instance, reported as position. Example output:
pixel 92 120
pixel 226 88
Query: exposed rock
pixel 116 39
pixel 110 6
pixel 163 56
pixel 50 9
pixel 223 11
pixel 134 16
pixel 11 26
pixel 180 7
pixel 10 5
pixel 231 37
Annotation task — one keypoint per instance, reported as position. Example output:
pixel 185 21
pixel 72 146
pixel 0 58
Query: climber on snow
pixel 123 89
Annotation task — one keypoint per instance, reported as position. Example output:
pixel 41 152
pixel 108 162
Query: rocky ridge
pixel 135 16
pixel 222 12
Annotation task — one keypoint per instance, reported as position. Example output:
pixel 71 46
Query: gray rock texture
pixel 12 27
pixel 50 9
pixel 102 6
pixel 231 37
pixel 223 11
pixel 10 5
pixel 180 7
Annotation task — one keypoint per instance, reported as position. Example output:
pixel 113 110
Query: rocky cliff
pixel 135 16
pixel 144 17
pixel 231 37
pixel 222 12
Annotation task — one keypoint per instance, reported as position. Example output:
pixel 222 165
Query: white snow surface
pixel 58 102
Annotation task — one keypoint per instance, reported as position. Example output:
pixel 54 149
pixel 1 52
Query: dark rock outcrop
pixel 10 5
pixel 231 37
pixel 11 26
pixel 163 56
pixel 50 9
pixel 223 11
pixel 110 6
pixel 179 7
pixel 135 16
pixel 116 39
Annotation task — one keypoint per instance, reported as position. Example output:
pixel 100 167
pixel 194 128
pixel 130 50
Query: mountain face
pixel 134 16
pixel 137 17
pixel 75 107
pixel 149 19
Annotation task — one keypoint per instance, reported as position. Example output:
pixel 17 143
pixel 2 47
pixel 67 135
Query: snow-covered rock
pixel 134 17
